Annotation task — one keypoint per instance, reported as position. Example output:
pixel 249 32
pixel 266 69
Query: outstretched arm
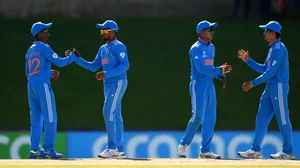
pixel 92 66
pixel 243 55
pixel 260 68
pixel 57 60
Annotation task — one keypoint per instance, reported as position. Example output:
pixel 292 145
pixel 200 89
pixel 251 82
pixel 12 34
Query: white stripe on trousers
pixel 49 103
pixel 194 102
pixel 281 104
pixel 113 106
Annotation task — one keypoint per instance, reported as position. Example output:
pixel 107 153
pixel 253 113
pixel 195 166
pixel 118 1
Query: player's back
pixel 38 67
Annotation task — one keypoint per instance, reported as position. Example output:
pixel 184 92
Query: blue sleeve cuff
pixel 72 56
pixel 254 82
pixel 220 70
pixel 249 60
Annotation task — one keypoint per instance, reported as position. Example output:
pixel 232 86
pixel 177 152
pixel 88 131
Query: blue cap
pixel 109 24
pixel 204 25
pixel 38 26
pixel 272 25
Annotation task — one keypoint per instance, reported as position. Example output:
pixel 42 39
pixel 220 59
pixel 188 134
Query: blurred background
pixel 156 107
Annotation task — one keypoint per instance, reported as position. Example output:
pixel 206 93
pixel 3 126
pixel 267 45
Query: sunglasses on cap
pixel 45 31
pixel 210 29
pixel 105 31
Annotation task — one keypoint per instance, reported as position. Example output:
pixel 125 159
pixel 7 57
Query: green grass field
pixel 158 76
pixel 148 163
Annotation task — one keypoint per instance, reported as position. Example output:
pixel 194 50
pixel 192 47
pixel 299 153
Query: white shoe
pixel 121 155
pixel 250 154
pixel 108 153
pixel 209 155
pixel 181 151
pixel 283 156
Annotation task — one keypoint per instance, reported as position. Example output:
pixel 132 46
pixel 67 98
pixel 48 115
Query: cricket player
pixel 40 95
pixel 274 100
pixel 113 59
pixel 202 90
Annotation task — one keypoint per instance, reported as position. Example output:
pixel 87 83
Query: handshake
pixel 99 75
pixel 76 52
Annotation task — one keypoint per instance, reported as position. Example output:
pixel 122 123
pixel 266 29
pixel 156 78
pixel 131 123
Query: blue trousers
pixel 274 100
pixel 42 111
pixel 113 93
pixel 204 104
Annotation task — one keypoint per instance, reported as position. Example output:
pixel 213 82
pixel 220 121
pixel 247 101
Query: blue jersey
pixel 202 62
pixel 276 67
pixel 38 62
pixel 113 59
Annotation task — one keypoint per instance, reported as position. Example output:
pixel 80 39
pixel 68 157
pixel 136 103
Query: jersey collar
pixel 203 42
pixel 111 42
pixel 274 42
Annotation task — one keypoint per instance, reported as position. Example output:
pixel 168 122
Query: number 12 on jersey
pixel 33 70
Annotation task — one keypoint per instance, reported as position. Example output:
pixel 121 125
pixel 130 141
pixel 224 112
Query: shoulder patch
pixel 54 55
pixel 122 54
pixel 274 62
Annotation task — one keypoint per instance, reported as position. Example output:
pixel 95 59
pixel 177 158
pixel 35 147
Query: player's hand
pixel 55 74
pixel 226 68
pixel 100 75
pixel 76 52
pixel 223 80
pixel 247 86
pixel 243 55
pixel 67 52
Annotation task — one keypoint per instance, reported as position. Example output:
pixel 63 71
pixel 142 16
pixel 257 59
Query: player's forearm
pixel 219 76
pixel 263 78
pixel 260 68
pixel 61 62
pixel 122 68
pixel 87 65
pixel 213 71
